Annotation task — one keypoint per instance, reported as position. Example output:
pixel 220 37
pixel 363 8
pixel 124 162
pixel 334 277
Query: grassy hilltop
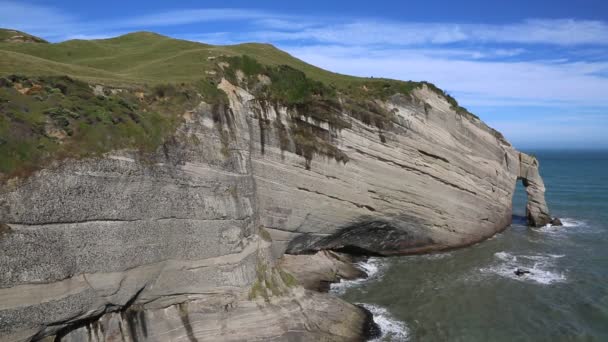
pixel 139 58
pixel 85 97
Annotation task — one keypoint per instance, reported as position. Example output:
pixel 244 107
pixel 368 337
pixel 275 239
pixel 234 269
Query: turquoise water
pixel 472 294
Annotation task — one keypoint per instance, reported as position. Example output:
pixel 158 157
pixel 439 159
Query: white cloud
pixel 281 27
pixel 33 19
pixel 287 24
pixel 477 81
pixel 364 32
pixel 560 32
pixel 190 16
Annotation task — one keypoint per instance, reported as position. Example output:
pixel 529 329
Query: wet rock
pixel 520 272
pixel 556 222
pixel 370 328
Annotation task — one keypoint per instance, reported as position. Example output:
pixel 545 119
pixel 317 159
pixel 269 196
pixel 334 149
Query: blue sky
pixel 535 70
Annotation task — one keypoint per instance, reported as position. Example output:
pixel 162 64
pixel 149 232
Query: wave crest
pixel 390 328
pixel 541 268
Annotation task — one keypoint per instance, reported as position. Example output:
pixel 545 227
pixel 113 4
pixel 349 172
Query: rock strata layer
pixel 300 316
pixel 169 247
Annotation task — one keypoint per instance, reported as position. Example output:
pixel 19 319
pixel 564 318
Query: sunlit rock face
pixel 170 246
pixel 438 179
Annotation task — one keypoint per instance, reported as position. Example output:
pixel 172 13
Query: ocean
pixel 472 294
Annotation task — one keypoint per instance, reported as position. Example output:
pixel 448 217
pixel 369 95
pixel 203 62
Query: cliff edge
pixel 175 229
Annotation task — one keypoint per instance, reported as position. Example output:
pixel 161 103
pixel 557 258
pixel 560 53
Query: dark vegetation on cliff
pixel 53 117
pixel 83 98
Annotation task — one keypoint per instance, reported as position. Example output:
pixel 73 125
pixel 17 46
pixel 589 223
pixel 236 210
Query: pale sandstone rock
pixel 89 238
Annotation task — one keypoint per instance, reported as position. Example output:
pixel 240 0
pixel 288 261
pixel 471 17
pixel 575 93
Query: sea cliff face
pixel 439 179
pixel 184 244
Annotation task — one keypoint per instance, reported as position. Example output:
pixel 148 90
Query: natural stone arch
pixel 537 212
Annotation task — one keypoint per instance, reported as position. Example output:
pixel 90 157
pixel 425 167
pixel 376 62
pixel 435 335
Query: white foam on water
pixel 570 222
pixel 505 256
pixel 391 329
pixel 373 267
pixel 541 268
pixel 566 223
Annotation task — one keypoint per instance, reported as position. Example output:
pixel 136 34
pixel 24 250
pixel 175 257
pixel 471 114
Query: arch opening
pixel 519 203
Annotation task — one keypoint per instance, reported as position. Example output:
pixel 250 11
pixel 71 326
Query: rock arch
pixel 537 212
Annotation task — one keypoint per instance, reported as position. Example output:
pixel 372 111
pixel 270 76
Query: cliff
pixel 184 239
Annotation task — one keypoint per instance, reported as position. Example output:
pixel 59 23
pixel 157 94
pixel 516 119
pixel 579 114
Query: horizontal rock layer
pixel 300 316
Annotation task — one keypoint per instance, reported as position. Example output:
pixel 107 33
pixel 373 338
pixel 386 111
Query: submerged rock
pixel 520 272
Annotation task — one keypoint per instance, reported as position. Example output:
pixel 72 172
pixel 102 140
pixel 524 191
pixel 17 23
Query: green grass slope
pixel 145 57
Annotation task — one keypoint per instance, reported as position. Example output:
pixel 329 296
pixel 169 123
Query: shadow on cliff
pixel 370 237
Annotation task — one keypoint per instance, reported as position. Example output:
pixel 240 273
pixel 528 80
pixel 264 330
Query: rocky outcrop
pixel 169 246
pixel 318 271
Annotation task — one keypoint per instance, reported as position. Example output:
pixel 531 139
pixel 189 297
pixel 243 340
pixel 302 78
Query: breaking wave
pixel 390 328
pixel 540 267
pixel 373 267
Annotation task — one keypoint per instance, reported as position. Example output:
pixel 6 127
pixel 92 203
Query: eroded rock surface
pixel 83 241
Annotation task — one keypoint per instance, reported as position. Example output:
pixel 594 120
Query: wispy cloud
pixel 474 80
pixel 33 18
pixel 191 16
pixel 564 32
pixel 272 26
